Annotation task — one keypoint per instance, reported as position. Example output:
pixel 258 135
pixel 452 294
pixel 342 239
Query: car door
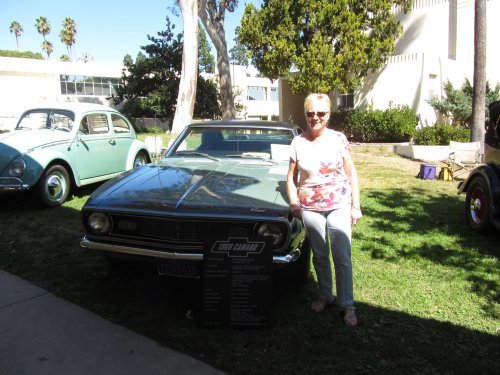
pixel 123 138
pixel 96 147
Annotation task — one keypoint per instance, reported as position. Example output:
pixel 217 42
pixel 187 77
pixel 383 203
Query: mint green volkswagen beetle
pixel 53 149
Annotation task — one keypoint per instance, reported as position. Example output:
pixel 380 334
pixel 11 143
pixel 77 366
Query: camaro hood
pixel 198 185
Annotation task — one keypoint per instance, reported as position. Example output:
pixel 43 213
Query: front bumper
pixel 12 184
pixel 291 257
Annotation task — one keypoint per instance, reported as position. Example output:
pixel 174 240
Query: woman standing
pixel 323 190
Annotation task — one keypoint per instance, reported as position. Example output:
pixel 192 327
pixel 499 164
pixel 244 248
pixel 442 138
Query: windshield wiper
pixel 194 153
pixel 253 156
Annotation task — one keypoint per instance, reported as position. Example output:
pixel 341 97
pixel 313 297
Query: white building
pixel 437 45
pixel 27 82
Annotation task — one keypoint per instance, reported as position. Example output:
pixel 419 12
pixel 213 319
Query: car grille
pixel 175 234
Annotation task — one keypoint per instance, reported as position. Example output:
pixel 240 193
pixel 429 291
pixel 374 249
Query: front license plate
pixel 178 269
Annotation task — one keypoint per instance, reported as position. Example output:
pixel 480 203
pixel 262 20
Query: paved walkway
pixel 43 334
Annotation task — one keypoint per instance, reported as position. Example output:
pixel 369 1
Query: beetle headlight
pixel 17 168
pixel 272 231
pixel 99 223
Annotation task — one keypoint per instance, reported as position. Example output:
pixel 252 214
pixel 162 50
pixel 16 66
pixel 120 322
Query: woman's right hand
pixel 296 210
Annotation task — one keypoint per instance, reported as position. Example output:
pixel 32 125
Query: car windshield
pixel 46 119
pixel 225 142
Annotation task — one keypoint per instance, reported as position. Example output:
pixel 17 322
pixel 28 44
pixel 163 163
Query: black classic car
pixel 482 187
pixel 220 179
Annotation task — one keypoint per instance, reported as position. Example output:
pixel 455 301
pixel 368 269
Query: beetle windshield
pixel 46 119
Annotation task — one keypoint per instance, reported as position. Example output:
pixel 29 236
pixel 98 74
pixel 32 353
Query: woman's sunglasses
pixel 320 114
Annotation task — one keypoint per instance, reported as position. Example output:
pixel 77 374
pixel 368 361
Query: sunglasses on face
pixel 319 114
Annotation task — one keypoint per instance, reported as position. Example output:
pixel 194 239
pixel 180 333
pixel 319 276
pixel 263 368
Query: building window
pixel 433 88
pixel 89 86
pixel 274 97
pixel 345 100
pixel 256 93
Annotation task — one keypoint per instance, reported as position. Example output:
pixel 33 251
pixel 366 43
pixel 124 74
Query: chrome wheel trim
pixel 55 187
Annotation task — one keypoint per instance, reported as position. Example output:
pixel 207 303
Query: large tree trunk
pixel 479 94
pixel 213 21
pixel 189 75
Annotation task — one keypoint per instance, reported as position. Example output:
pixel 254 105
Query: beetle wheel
pixel 54 186
pixel 478 205
pixel 140 159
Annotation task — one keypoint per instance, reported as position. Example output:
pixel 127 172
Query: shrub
pixel 457 104
pixel 396 124
pixel 23 54
pixel 441 135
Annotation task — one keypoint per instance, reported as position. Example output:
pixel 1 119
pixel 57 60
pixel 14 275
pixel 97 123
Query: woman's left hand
pixel 356 215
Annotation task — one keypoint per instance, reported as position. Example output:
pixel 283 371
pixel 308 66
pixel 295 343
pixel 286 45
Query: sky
pixel 107 29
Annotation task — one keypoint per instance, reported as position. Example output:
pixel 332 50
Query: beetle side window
pixel 84 126
pixel 98 123
pixel 119 124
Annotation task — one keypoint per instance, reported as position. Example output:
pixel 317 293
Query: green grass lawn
pixel 427 288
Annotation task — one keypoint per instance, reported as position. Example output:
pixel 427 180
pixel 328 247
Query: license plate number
pixel 178 269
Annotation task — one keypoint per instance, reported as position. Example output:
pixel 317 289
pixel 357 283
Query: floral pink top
pixel 323 183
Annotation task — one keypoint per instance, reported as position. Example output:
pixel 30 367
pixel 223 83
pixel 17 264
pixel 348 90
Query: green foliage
pixel 395 124
pixel 24 55
pixel 150 130
pixel 151 83
pixel 457 105
pixel 441 134
pixel 239 54
pixel 328 45
pixel 206 61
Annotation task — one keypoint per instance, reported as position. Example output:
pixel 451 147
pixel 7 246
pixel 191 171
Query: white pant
pixel 331 231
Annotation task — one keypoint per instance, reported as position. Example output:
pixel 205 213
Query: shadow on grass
pixel 464 249
pixel 42 247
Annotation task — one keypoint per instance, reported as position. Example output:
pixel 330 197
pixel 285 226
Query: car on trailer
pixel 482 186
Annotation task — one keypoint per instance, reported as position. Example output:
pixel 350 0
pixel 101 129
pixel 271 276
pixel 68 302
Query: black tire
pixel 54 186
pixel 478 206
pixel 140 159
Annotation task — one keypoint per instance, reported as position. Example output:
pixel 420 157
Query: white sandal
pixel 350 319
pixel 319 305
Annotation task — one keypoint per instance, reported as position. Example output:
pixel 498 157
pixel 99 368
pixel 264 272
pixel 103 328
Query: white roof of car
pixel 75 107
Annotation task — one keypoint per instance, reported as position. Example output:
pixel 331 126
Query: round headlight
pixel 17 168
pixel 272 231
pixel 99 223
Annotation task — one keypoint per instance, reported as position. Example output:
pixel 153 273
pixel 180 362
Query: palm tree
pixel 17 29
pixel 67 34
pixel 48 48
pixel 43 26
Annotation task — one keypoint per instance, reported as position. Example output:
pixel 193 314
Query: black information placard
pixel 237 282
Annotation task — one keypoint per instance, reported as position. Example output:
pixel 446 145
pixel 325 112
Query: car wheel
pixel 478 205
pixel 140 159
pixel 54 186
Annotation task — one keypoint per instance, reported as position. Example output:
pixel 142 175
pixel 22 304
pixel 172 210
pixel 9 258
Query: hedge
pixel 395 124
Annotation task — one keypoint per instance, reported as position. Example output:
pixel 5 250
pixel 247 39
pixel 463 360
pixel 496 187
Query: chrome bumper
pixel 87 244
pixel 12 184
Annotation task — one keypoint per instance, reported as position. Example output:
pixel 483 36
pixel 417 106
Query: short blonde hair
pixel 316 97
